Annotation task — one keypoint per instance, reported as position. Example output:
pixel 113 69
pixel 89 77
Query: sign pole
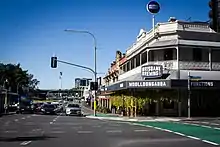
pixel 189 94
pixel 153 8
pixel 153 24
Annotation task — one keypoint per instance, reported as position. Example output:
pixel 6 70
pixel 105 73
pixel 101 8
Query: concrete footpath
pixel 127 119
pixel 116 117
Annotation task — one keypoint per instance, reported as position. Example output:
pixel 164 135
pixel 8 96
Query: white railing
pixel 198 65
pixel 172 65
pixel 167 65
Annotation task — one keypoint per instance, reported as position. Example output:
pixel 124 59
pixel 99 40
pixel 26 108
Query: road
pixel 64 131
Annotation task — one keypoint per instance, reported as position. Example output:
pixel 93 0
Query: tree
pixel 17 78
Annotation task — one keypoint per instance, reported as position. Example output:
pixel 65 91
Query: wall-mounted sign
pixel 201 84
pixel 152 71
pixel 148 84
pixel 121 85
pixel 153 7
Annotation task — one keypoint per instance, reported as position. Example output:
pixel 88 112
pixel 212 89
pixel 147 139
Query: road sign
pixel 153 7
pixel 196 78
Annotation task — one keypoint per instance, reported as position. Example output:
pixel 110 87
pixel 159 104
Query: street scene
pixel 109 73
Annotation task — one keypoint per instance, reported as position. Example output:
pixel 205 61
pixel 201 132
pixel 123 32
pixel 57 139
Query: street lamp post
pixel 6 96
pixel 95 58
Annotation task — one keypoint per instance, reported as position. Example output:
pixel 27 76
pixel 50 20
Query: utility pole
pixel 189 94
pixel 6 96
pixel 60 77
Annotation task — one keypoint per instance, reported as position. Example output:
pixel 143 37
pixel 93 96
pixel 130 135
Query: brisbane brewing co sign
pixel 152 71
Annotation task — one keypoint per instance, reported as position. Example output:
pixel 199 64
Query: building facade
pixel 160 61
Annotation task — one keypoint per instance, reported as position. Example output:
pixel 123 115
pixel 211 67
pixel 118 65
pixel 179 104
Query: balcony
pixel 173 65
pixel 190 65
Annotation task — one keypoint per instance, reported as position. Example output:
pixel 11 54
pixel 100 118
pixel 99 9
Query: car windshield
pixel 73 105
pixel 49 106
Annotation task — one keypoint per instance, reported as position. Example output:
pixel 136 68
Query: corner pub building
pixel 157 65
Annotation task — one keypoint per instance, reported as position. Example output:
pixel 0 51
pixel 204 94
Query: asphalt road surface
pixel 66 131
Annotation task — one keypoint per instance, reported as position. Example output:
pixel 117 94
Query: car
pixel 73 109
pixel 48 109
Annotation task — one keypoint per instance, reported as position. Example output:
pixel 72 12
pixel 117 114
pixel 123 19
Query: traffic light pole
pixel 89 69
pixel 95 57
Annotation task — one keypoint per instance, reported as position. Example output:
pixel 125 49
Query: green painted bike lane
pixel 209 134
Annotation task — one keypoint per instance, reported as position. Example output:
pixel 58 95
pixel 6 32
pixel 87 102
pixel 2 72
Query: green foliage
pixel 16 77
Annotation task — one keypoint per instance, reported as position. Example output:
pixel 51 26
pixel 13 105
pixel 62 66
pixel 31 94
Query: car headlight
pixel 42 110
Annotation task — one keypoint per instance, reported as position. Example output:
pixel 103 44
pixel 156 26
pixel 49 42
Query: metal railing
pixel 173 65
pixel 198 65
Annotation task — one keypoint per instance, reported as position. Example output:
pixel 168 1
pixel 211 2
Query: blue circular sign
pixel 153 7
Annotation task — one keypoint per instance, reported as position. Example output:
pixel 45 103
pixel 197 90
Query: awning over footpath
pixel 163 84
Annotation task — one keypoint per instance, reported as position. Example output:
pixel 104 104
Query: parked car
pixel 48 109
pixel 73 109
pixel 37 107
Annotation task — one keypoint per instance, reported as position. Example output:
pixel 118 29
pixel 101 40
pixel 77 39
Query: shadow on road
pixel 32 138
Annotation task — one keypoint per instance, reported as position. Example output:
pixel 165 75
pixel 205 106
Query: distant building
pixel 82 82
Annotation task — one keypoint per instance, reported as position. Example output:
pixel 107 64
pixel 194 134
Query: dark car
pixel 37 107
pixel 48 109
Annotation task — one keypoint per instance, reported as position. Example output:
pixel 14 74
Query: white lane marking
pixel 84 132
pixel 11 131
pixel 206 141
pixel 168 130
pixel 113 131
pixel 55 119
pixel 196 138
pixel 217 128
pixel 141 130
pixel 28 116
pixel 192 137
pixel 16 120
pixel 51 122
pixel 185 123
pixel 215 124
pixel 205 126
pixel 25 143
pixel 96 126
pixel 194 124
pixel 57 132
pixel 35 130
pixel 159 128
pixel 23 118
pixel 205 122
pixel 177 133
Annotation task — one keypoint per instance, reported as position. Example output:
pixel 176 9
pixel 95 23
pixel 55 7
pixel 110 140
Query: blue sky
pixel 31 31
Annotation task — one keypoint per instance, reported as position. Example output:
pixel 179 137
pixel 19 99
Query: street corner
pixel 204 134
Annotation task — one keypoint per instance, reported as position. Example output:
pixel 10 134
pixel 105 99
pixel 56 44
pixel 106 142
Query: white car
pixel 73 109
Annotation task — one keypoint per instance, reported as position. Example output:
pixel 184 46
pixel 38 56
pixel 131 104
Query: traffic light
pixel 214 15
pixel 53 62
pixel 93 85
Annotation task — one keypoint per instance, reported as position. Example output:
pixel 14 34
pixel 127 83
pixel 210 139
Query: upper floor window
pixel 168 54
pixel 144 58
pixel 197 54
pixel 128 65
